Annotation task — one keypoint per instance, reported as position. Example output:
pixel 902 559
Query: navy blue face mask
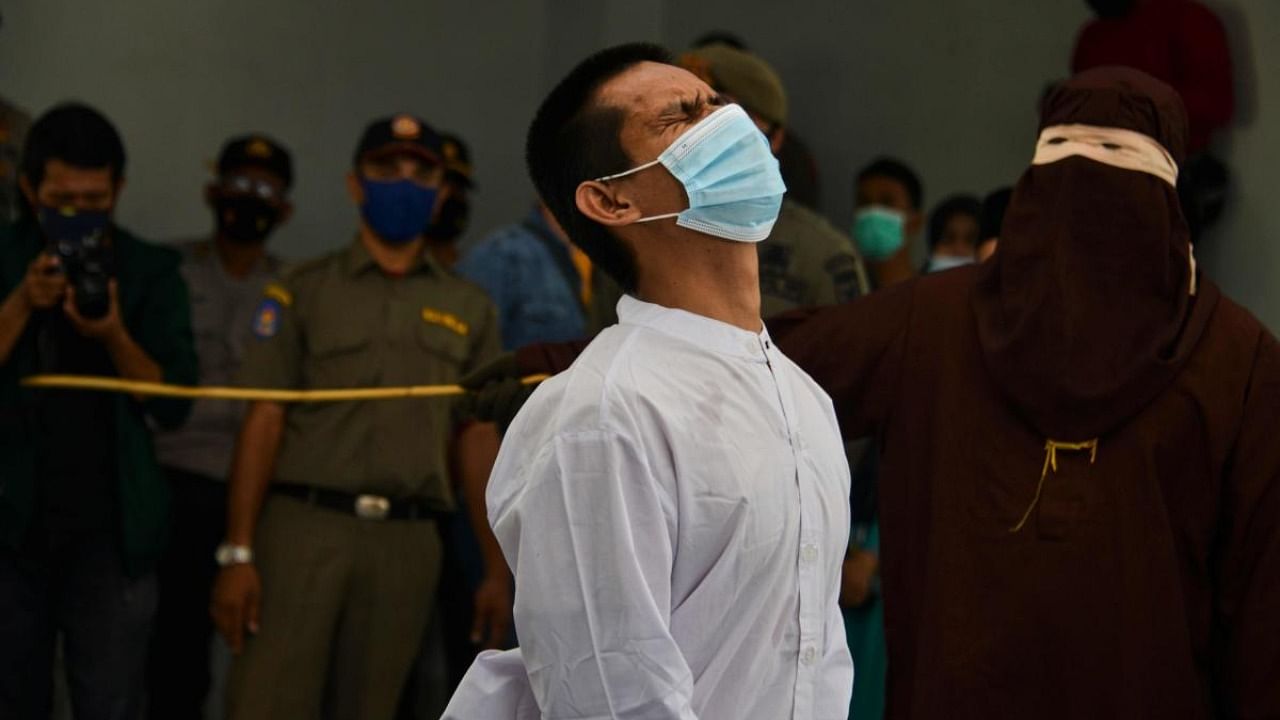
pixel 398 210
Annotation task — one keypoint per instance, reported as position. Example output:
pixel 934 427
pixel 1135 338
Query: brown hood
pixel 1085 312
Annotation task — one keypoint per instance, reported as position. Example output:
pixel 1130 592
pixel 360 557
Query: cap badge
pixel 405 128
pixel 258 148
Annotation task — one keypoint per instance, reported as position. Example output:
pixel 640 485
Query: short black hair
pixel 76 134
pixel 573 138
pixel 896 170
pixel 949 208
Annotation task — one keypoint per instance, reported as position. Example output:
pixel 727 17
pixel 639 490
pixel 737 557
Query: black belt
pixel 364 506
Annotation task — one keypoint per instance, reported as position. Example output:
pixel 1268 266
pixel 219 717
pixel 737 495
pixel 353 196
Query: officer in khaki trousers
pixel 332 553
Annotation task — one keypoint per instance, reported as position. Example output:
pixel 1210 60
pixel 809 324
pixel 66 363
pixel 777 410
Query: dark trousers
pixel 460 573
pixel 178 675
pixel 73 585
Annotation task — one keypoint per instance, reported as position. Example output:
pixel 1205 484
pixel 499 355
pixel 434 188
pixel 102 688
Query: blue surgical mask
pixel 399 210
pixel 879 232
pixel 942 263
pixel 70 225
pixel 729 173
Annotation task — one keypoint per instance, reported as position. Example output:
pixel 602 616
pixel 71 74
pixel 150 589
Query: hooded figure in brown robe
pixel 1080 478
pixel 1080 461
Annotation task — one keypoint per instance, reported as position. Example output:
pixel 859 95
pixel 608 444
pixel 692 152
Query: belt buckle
pixel 372 507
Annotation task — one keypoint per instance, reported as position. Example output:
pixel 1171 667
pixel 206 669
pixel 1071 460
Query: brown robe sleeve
pixel 549 358
pixel 1247 555
pixel 854 351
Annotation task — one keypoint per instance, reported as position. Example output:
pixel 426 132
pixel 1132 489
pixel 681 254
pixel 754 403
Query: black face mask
pixel 1112 8
pixel 245 218
pixel 451 222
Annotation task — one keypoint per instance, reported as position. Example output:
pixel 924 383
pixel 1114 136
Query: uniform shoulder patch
pixel 277 292
pixel 446 320
pixel 266 319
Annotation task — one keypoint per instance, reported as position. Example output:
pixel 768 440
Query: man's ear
pixel 354 191
pixel 777 139
pixel 443 193
pixel 605 204
pixel 915 223
pixel 28 191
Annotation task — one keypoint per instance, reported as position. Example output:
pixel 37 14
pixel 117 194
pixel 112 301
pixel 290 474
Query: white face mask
pixel 729 173
pixel 942 263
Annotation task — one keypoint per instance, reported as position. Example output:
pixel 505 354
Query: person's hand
pixel 500 402
pixel 237 598
pixel 45 283
pixel 502 367
pixel 104 329
pixel 859 573
pixel 492 612
pixel 497 392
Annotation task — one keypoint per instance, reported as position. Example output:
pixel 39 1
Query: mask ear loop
pixel 658 217
pixel 633 171
pixel 625 173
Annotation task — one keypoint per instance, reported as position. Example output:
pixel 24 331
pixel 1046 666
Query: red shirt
pixel 1178 41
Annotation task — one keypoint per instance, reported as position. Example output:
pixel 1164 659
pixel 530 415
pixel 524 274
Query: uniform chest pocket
pixel 330 341
pixel 341 355
pixel 442 343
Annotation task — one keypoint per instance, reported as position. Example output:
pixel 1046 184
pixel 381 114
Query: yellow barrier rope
pixel 137 387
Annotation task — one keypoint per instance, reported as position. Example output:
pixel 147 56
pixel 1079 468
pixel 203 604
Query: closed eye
pixel 1112 146
pixel 1057 140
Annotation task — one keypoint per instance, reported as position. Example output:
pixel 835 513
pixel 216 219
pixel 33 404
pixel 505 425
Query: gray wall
pixel 1243 255
pixel 180 77
pixel 948 86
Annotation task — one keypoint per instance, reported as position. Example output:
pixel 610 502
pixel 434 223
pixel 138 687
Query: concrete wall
pixel 180 77
pixel 948 86
pixel 1243 253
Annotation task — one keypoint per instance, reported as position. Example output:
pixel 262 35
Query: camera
pixel 89 265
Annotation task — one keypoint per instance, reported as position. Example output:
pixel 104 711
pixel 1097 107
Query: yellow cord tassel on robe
pixel 1051 448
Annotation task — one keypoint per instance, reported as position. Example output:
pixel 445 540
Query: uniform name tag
pixel 446 320
pixel 279 294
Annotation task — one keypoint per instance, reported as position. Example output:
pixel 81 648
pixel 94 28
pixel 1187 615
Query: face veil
pixel 1088 308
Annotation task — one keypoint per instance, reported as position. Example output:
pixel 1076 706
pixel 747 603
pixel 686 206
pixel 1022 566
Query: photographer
pixel 83 508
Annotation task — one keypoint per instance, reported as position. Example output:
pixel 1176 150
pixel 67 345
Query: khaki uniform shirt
pixel 222 312
pixel 340 322
pixel 806 261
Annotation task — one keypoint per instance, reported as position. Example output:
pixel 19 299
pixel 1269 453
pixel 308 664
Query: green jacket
pixel 156 311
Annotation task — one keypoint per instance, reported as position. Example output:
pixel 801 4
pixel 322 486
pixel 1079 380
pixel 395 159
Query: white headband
pixel 1125 149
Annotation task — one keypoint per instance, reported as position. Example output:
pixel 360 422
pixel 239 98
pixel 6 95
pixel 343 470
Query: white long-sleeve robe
pixel 675 508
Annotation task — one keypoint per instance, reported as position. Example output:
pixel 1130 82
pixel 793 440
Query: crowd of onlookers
pixel 347 563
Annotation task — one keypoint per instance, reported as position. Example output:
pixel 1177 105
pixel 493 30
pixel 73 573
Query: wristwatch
pixel 228 554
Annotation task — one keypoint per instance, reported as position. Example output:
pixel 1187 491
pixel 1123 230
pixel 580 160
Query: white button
pixel 809 553
pixel 809 656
